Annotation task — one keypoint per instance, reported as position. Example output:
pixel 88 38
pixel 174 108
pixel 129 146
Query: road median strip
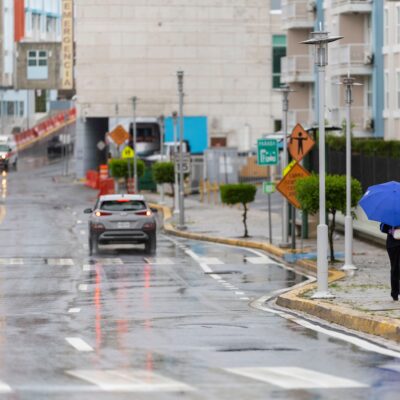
pixel 296 299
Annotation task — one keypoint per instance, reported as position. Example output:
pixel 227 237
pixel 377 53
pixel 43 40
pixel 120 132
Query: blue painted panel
pixel 195 130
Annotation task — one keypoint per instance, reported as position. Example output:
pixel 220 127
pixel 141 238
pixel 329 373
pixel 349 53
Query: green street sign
pixel 268 187
pixel 267 152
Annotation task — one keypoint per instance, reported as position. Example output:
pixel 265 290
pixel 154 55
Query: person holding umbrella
pixel 382 203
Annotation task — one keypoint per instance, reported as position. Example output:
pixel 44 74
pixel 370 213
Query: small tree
pixel 241 193
pixel 307 191
pixel 164 172
pixel 119 168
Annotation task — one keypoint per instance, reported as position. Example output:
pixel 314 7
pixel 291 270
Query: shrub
pixel 119 168
pixel 307 191
pixel 241 193
pixel 164 172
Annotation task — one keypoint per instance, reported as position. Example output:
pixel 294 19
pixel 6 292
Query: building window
pixel 398 88
pixel 21 108
pixel 386 27
pixel 369 92
pixel 386 85
pixel 276 6
pixel 37 64
pixel 278 51
pixel 10 108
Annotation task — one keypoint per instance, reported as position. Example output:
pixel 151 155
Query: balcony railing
pixel 297 14
pixel 354 58
pixel 360 117
pixel 297 69
pixel 351 6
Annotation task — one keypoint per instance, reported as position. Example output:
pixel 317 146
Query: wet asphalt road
pixel 179 325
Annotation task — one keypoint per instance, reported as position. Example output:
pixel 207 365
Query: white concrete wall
pixel 131 48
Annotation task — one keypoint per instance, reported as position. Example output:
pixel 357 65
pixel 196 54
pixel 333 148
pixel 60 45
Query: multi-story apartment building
pixel 135 48
pixel 391 66
pixel 357 54
pixel 30 36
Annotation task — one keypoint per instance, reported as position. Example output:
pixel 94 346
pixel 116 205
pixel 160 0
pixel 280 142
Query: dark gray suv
pixel 122 219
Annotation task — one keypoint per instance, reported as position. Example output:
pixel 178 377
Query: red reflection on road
pixel 97 302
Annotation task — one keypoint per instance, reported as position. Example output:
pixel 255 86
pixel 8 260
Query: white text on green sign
pixel 267 152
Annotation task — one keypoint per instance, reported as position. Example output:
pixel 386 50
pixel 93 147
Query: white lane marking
pixel 296 378
pixel 79 221
pixel 361 343
pixel 83 287
pixel 240 293
pixel 245 298
pixel 11 261
pixel 110 261
pixel 129 380
pixel 60 261
pixel 87 267
pixel 392 367
pixel 4 388
pixel 82 232
pixel 79 344
pixel 195 257
pixel 159 261
pixel 211 260
pixel 74 310
pixel 216 277
pixel 260 260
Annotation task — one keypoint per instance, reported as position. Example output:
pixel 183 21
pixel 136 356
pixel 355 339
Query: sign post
pixel 268 154
pixel 128 154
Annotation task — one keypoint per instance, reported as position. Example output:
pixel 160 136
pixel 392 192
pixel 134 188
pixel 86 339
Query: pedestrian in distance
pixel 393 249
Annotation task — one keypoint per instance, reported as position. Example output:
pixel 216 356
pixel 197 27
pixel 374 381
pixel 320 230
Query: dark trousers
pixel 394 256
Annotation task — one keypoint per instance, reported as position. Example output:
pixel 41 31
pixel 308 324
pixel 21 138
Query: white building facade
pixel 135 48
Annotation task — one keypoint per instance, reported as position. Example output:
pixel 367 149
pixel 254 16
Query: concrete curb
pixel 385 327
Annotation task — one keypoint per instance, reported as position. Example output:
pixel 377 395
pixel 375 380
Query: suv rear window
pixel 126 205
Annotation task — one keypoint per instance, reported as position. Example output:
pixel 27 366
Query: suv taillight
pixel 145 212
pixel 102 213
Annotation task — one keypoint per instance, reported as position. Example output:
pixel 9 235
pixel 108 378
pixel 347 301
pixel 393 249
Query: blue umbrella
pixel 382 203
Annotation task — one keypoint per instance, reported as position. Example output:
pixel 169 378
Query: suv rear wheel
pixel 93 246
pixel 151 244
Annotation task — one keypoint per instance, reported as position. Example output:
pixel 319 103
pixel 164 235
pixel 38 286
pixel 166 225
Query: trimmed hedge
pixel 370 146
pixel 119 168
pixel 164 172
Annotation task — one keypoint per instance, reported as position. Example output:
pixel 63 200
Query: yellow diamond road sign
pixel 127 152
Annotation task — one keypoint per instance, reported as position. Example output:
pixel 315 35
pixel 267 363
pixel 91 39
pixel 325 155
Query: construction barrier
pixel 92 179
pixel 107 186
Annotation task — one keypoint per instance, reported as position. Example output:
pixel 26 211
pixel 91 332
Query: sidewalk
pixel 362 298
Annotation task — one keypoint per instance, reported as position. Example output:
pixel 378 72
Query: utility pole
pixel 180 75
pixel 176 185
pixel 161 121
pixel 134 100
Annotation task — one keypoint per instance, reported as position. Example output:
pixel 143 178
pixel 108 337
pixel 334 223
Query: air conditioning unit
pixel 368 58
pixel 311 6
pixel 369 123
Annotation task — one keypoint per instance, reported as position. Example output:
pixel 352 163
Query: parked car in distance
pixel 8 155
pixel 122 219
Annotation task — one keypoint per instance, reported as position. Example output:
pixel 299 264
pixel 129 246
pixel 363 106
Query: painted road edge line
pixel 79 344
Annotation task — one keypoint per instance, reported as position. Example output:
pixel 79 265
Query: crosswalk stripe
pixel 60 261
pixel 11 261
pixel 260 260
pixel 159 261
pixel 296 378
pixel 392 367
pixel 110 261
pixel 129 380
pixel 4 388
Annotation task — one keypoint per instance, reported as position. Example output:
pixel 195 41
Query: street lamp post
pixel 285 90
pixel 180 75
pixel 161 121
pixel 176 185
pixel 349 82
pixel 320 40
pixel 134 100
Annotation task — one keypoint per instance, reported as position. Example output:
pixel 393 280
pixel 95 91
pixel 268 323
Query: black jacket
pixel 390 240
